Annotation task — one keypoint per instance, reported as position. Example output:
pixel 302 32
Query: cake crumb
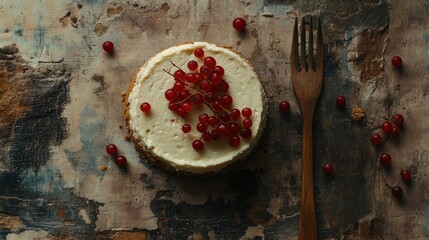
pixel 103 168
pixel 148 130
pixel 127 138
pixel 120 126
pixel 357 114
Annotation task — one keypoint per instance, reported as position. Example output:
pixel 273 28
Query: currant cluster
pixel 205 84
pixel 392 128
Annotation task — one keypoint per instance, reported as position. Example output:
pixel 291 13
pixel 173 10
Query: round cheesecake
pixel 158 134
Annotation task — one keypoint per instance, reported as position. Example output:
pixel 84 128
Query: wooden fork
pixel 307 77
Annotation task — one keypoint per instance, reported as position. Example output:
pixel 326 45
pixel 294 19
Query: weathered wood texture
pixel 60 102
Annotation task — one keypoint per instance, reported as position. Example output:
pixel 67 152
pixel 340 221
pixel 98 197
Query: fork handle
pixel 308 223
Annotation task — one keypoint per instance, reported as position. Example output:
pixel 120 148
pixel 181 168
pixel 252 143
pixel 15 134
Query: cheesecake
pixel 195 107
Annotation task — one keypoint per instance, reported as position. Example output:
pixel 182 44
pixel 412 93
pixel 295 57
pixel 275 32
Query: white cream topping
pixel 160 131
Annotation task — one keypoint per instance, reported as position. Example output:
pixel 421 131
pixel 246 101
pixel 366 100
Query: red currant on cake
pixel 210 62
pixel 198 145
pixel 406 175
pixel 387 127
pixel 246 112
pixel 108 46
pixel 145 107
pixel 121 161
pixel 340 101
pixel 234 141
pixel 397 192
pixel 199 53
pixel 376 139
pixel 328 169
pixel 385 159
pixel 397 61
pixel 111 149
pixel 284 106
pixel 239 24
pixel 192 65
pixel 186 128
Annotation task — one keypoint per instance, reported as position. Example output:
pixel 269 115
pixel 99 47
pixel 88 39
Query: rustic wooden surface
pixel 60 102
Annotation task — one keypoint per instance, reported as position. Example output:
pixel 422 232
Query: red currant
pixel 222 129
pixel 215 135
pixel 170 95
pixel 203 118
pixel 246 112
pixel 247 123
pixel 397 192
pixel 205 70
pixel 173 106
pixel 395 131
pixel 219 70
pixel 198 98
pixel 186 128
pixel 234 141
pixel 121 161
pixel 179 86
pixel 406 175
pixel 224 117
pixel 328 169
pixel 385 159
pixel 205 85
pixel 239 24
pixel 234 128
pixel 284 106
pixel 235 113
pixel 192 65
pixel 198 145
pixel 201 127
pixel 191 77
pixel 111 149
pixel 225 86
pixel 216 78
pixel 398 120
pixel 226 100
pixel 245 133
pixel 217 106
pixel 199 53
pixel 108 46
pixel 179 75
pixel 145 107
pixel 213 120
pixel 397 61
pixel 376 139
pixel 210 62
pixel 387 127
pixel 340 101
pixel 207 136
pixel 186 107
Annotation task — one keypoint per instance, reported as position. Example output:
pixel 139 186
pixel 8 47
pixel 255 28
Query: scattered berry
pixel 239 24
pixel 387 127
pixel 121 161
pixel 397 61
pixel 198 145
pixel 186 128
pixel 376 139
pixel 199 53
pixel 340 101
pixel 108 46
pixel 328 169
pixel 145 107
pixel 406 175
pixel 192 65
pixel 385 159
pixel 111 149
pixel 284 106
pixel 397 192
pixel 398 120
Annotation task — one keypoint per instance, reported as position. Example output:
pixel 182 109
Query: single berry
pixel 186 107
pixel 406 175
pixel 398 120
pixel 191 77
pixel 192 65
pixel 215 135
pixel 395 131
pixel 385 159
pixel 376 139
pixel 179 75
pixel 203 118
pixel 219 70
pixel 234 129
pixel 207 136
pixel 121 161
pixel 217 106
pixel 210 62
pixel 247 123
pixel 387 127
pixel 205 70
pixel 225 86
pixel 328 169
pixel 173 106
pixel 170 95
pixel 205 85
pixel 179 86
pixel 198 98
pixel 246 112
pixel 183 95
pixel 224 117
pixel 108 46
pixel 222 129
pixel 234 141
pixel 340 101
pixel 111 149
pixel 226 100
pixel 396 61
pixel 245 133
pixel 239 24
pixel 186 128
pixel 202 127
pixel 181 112
pixel 397 192
pixel 198 145
pixel 216 78
pixel 213 120
pixel 145 107
pixel 199 53
pixel 235 113
pixel 209 96
pixel 284 106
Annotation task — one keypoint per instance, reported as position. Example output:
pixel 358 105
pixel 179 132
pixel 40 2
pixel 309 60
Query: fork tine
pixel 294 50
pixel 303 42
pixel 319 47
pixel 310 46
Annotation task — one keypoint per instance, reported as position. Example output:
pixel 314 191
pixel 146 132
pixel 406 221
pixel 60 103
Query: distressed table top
pixel 61 104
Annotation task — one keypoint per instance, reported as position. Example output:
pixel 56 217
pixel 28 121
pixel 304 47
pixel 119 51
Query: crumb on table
pixel 103 168
pixel 357 114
